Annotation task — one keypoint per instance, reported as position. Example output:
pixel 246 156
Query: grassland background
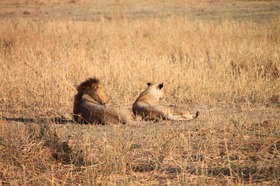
pixel 221 58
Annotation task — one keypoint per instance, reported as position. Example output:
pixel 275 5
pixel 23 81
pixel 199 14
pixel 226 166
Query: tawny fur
pixel 90 106
pixel 149 107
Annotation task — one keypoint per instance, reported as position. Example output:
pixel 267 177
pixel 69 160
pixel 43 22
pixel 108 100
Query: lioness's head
pixel 94 89
pixel 155 89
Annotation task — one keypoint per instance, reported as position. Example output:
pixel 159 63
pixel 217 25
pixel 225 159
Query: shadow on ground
pixel 56 120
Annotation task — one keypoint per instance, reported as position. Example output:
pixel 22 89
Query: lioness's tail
pixel 196 114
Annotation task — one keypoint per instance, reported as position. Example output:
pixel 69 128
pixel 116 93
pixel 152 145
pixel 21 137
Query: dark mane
pixel 87 83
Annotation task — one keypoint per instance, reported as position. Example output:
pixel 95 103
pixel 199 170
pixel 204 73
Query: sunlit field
pixel 228 68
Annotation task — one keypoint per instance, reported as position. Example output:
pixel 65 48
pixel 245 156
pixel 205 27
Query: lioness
pixel 149 107
pixel 90 105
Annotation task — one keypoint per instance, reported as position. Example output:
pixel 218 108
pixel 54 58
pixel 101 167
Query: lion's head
pixel 94 89
pixel 155 89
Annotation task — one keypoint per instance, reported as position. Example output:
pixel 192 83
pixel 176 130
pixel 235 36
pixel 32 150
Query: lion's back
pixel 118 115
pixel 84 112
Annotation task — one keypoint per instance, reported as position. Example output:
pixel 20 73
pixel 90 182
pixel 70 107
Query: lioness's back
pixel 148 106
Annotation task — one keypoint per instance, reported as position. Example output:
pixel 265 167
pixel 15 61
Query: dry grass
pixel 222 149
pixel 227 69
pixel 200 62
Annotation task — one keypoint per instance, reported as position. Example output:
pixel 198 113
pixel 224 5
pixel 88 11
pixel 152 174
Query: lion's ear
pixel 160 86
pixel 149 84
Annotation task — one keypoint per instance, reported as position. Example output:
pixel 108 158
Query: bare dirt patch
pixel 134 9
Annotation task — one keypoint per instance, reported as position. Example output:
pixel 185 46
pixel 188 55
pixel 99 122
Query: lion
pixel 91 105
pixel 149 107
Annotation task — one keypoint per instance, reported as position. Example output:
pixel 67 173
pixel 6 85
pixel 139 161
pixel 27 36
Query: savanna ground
pixel 219 57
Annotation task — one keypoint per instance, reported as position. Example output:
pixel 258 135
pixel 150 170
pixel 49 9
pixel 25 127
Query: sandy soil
pixel 135 9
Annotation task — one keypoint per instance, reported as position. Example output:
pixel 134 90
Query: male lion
pixel 90 105
pixel 148 106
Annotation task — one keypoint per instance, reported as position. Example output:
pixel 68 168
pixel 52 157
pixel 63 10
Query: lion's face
pixel 156 90
pixel 97 92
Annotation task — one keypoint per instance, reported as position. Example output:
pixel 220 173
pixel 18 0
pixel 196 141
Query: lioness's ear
pixel 160 86
pixel 149 84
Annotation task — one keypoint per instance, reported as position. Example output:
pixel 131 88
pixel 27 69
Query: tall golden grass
pixel 229 69
pixel 199 61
